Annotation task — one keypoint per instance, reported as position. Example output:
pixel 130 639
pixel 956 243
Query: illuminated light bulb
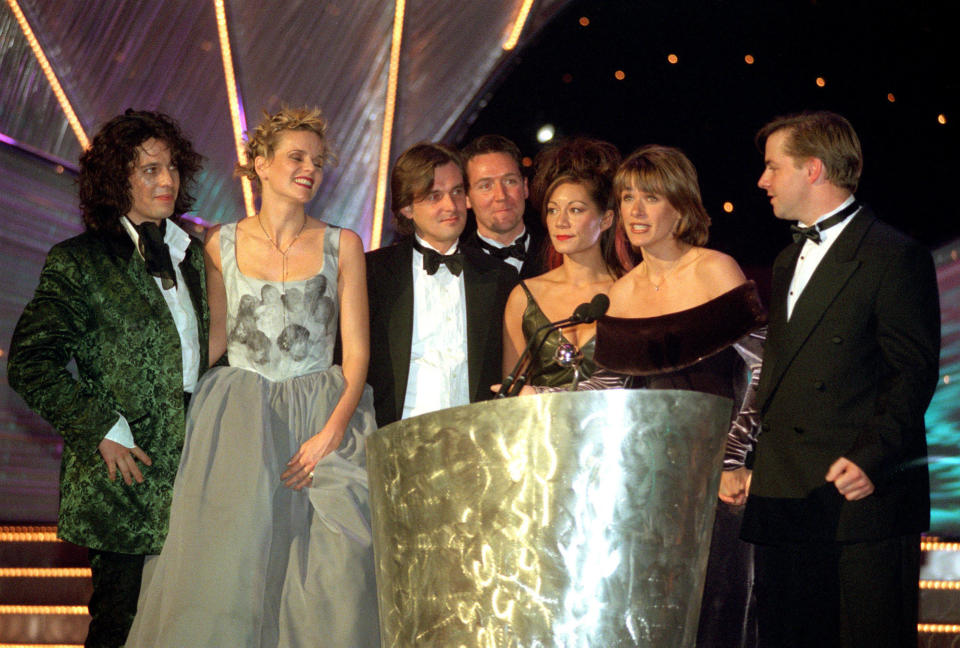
pixel 584 21
pixel 728 207
pixel 941 119
pixel 821 82
pixel 619 75
pixel 545 133
pixel 890 97
pixel 672 58
pixel 748 59
pixel 526 161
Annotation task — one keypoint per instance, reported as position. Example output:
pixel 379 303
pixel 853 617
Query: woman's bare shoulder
pixel 719 271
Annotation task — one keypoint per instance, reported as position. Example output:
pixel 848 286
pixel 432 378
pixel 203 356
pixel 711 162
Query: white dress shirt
pixel 514 261
pixel 184 317
pixel 438 351
pixel 812 254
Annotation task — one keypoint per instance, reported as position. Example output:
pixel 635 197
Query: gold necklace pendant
pixel 283 259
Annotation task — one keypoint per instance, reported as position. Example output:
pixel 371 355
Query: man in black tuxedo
pixel 840 488
pixel 497 194
pixel 435 313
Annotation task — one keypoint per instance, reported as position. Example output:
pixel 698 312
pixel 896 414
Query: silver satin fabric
pixel 556 520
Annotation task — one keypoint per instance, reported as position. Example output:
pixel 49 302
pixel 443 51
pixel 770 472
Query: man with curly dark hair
pixel 126 301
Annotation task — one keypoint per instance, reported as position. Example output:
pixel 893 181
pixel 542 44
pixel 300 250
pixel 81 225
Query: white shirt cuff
pixel 120 433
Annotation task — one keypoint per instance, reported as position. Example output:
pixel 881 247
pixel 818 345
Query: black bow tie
pixel 432 260
pixel 517 249
pixel 156 253
pixel 813 232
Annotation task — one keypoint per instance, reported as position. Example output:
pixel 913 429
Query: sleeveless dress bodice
pixel 545 369
pixel 281 330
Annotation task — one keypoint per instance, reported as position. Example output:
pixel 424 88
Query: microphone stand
pixel 515 381
pixel 585 313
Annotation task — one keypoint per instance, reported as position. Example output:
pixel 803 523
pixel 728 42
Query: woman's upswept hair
pixel 105 167
pixel 583 161
pixel 666 171
pixel 262 141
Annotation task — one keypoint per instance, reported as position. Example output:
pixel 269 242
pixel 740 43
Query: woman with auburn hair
pixel 269 541
pixel 574 181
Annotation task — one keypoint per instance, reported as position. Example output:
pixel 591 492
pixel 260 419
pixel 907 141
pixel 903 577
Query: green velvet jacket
pixel 96 304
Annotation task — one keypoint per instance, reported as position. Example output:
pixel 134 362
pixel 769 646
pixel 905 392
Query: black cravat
pixel 813 232
pixel 517 249
pixel 432 260
pixel 155 253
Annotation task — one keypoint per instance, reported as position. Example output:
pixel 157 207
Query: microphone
pixel 585 313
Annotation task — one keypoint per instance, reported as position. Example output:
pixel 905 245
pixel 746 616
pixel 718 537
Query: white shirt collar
pixel 176 239
pixel 496 243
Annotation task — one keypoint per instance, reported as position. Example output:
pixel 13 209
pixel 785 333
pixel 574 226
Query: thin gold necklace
pixel 283 253
pixel 283 256
pixel 663 277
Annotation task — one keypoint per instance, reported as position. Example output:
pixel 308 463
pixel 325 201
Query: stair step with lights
pixel 44 587
pixel 940 594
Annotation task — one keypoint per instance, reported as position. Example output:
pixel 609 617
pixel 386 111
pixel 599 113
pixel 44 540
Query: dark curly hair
pixel 590 163
pixel 105 167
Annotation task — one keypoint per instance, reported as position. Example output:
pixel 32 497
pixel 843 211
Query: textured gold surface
pixel 561 520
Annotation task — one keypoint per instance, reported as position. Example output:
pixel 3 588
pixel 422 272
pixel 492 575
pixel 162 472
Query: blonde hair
pixel 262 141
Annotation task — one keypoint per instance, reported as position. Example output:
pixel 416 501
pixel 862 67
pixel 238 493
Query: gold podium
pixel 562 520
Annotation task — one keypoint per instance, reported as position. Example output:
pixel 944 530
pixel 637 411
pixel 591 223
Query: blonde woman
pixel 269 540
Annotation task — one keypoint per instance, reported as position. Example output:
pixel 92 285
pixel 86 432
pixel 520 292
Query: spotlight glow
pixel 748 59
pixel 941 119
pixel 517 25
pixel 545 133
pixel 672 58
pixel 821 82
pixel 48 72
pixel 234 101
pixel 728 207
pixel 619 75
pixel 386 137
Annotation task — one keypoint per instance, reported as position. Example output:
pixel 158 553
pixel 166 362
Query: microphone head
pixel 581 314
pixel 598 306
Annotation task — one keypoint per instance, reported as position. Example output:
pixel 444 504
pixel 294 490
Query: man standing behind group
pixel 497 194
pixel 435 313
pixel 126 301
pixel 840 489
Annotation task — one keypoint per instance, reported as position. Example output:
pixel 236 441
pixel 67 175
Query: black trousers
pixel 824 594
pixel 113 604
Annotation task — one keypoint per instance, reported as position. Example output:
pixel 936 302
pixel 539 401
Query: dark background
pixel 711 102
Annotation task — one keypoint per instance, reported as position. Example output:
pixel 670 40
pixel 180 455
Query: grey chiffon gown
pixel 249 562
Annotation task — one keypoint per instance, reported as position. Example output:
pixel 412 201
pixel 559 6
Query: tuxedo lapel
pixel 828 281
pixel 480 287
pixel 400 320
